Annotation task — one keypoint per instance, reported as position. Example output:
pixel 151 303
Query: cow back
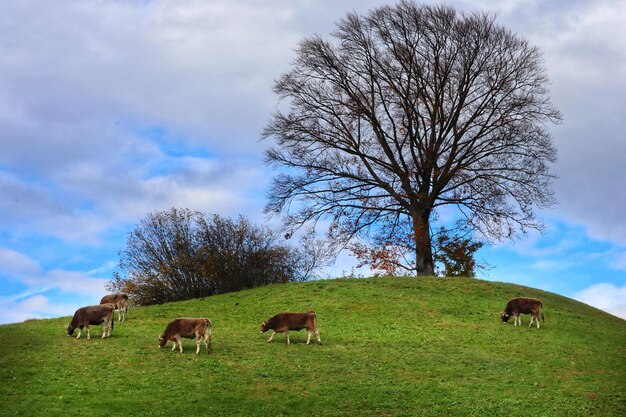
pixel 120 300
pixel 523 305
pixel 292 321
pixel 92 314
pixel 186 327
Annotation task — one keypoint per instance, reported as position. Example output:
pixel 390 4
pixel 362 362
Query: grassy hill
pixel 391 347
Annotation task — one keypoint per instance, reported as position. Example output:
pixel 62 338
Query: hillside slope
pixel 391 347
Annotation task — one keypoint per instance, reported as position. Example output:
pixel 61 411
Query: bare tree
pixel 179 254
pixel 408 109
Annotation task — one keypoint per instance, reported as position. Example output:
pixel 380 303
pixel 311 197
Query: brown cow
pixel 523 305
pixel 121 304
pixel 283 322
pixel 85 316
pixel 189 328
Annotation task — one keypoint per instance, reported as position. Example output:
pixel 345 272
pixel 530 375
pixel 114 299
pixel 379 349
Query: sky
pixel 110 110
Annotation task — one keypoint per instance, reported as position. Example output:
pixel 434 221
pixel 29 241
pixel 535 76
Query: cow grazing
pixel 86 316
pixel 200 329
pixel 523 305
pixel 121 304
pixel 283 322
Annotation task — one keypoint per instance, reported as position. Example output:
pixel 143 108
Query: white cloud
pixel 605 296
pixel 33 307
pixel 550 265
pixel 34 302
pixel 17 264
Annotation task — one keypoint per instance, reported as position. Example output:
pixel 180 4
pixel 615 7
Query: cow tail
pixel 542 318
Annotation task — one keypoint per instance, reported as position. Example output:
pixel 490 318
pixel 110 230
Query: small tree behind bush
pixel 456 255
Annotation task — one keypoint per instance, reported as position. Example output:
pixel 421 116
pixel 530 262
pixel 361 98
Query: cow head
pixel 264 327
pixel 70 329
pixel 162 340
pixel 505 317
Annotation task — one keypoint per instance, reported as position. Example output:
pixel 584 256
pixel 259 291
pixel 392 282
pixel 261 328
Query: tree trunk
pixel 424 264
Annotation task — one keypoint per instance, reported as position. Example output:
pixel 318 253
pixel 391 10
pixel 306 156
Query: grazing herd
pixel 200 328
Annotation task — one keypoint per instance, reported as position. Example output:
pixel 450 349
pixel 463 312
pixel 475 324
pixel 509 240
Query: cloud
pixel 586 58
pixel 18 265
pixel 584 45
pixel 605 296
pixel 33 307
pixel 78 154
pixel 550 265
pixel 41 284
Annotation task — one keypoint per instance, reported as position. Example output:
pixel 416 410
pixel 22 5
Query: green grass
pixel 391 347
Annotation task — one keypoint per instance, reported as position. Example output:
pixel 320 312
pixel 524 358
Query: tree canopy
pixel 180 254
pixel 407 110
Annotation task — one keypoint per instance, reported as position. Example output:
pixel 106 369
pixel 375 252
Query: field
pixel 391 347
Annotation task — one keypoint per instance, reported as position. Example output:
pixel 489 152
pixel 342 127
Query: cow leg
pixel 317 334
pixel 532 318
pixel 287 337
pixel 174 347
pixel 207 340
pixel 105 327
pixel 79 332
pixel 180 344
pixel 88 334
pixel 272 336
pixel 308 337
pixel 199 338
